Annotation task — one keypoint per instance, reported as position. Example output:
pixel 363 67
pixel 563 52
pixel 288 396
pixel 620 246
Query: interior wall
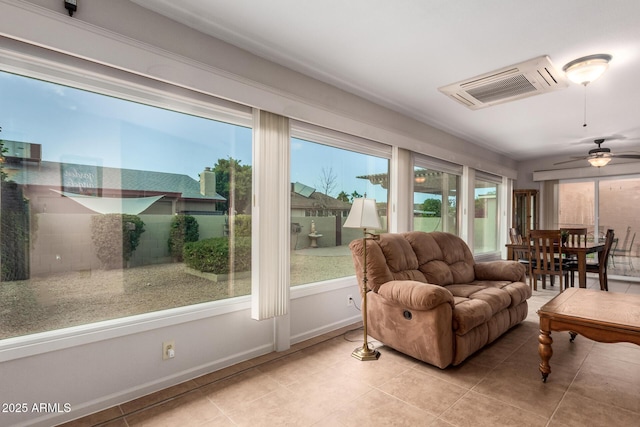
pixel 531 173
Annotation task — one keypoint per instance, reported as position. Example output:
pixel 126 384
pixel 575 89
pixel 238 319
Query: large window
pixel 618 209
pixel 486 218
pixel 111 208
pixel 325 180
pixel 606 204
pixel 436 188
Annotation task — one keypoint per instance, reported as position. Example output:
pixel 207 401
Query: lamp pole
pixel 365 353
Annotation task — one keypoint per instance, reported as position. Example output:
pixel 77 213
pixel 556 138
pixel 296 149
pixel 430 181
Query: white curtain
pixel 271 216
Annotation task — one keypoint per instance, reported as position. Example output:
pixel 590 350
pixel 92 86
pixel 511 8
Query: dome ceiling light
pixel 585 70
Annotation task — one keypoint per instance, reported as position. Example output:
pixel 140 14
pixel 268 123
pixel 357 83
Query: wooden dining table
pixel 580 251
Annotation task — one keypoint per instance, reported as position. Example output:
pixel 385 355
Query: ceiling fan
pixel 600 156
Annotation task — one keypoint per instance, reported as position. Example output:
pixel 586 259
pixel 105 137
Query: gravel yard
pixel 77 298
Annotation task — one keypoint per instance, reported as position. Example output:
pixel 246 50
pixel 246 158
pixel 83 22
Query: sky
pixel 76 126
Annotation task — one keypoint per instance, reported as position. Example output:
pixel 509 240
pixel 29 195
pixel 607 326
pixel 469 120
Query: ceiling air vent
pixel 528 78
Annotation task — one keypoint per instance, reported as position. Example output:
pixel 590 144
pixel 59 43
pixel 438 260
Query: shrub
pixel 14 226
pixel 184 229
pixel 212 255
pixel 242 225
pixel 116 237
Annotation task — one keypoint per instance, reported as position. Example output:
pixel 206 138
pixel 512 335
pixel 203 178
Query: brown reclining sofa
pixel 430 300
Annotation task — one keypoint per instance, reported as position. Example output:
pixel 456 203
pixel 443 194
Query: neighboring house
pixel 314 211
pixel 63 197
pixel 306 201
pixel 53 187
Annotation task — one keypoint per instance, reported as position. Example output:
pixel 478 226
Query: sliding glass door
pixel 604 204
pixel 619 205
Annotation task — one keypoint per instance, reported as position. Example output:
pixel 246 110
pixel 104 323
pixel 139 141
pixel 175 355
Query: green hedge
pixel 212 255
pixel 184 229
pixel 116 237
pixel 14 226
pixel 242 225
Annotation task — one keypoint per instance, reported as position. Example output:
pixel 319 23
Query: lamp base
pixel 364 353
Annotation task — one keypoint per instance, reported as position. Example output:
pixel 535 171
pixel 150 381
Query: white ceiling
pixel 398 53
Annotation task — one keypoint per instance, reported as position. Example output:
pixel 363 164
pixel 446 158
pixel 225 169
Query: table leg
pixel 545 351
pixel 582 269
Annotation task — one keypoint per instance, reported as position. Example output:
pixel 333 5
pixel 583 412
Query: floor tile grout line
pixel 198 386
pixel 330 336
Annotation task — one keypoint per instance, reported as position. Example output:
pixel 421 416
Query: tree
pixel 233 182
pixel 14 227
pixel 327 180
pixel 3 149
pixel 116 237
pixel 355 195
pixel 432 207
pixel 343 197
pixel 184 229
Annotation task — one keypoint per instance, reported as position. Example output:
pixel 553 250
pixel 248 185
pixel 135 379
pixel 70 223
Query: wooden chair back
pixel 546 257
pixel 601 266
pixel 515 237
pixel 608 243
pixel 576 236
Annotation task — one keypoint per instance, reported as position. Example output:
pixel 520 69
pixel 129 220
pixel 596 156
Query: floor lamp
pixel 363 215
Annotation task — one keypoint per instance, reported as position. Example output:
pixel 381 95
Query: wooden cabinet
pixel 525 211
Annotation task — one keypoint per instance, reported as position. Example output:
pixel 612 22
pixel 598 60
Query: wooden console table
pixel 601 316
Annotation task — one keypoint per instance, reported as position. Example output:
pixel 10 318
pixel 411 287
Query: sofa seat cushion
pixel 517 291
pixel 469 313
pixel 475 305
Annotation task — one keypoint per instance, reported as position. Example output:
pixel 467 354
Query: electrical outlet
pixel 168 350
pixel 349 301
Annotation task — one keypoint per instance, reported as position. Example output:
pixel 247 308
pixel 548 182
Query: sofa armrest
pixel 500 270
pixel 415 295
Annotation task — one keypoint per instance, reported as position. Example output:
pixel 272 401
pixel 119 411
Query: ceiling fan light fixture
pixel 600 161
pixel 587 69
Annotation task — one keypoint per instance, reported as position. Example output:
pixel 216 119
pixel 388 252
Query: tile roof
pixel 51 174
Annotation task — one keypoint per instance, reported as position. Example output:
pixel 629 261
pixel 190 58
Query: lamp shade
pixel 586 69
pixel 363 214
pixel 599 161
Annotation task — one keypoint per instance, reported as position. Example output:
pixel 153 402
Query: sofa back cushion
pixel 444 258
pixel 437 258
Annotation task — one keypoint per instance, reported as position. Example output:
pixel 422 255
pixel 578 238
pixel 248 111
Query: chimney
pixel 208 183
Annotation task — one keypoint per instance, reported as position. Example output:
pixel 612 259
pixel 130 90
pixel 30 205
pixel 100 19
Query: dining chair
pixel 623 250
pixel 575 236
pixel 514 236
pixel 520 252
pixel 545 258
pixel 599 267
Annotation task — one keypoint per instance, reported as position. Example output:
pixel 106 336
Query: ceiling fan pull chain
pixel 584 125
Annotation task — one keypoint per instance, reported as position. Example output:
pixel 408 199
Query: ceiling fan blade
pixel 604 138
pixel 575 159
pixel 627 156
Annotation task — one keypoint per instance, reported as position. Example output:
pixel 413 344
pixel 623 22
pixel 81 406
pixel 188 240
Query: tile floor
pixel 318 383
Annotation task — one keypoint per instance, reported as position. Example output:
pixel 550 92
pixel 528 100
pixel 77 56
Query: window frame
pixel 43 64
pixel 501 185
pixel 335 139
pixel 435 164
